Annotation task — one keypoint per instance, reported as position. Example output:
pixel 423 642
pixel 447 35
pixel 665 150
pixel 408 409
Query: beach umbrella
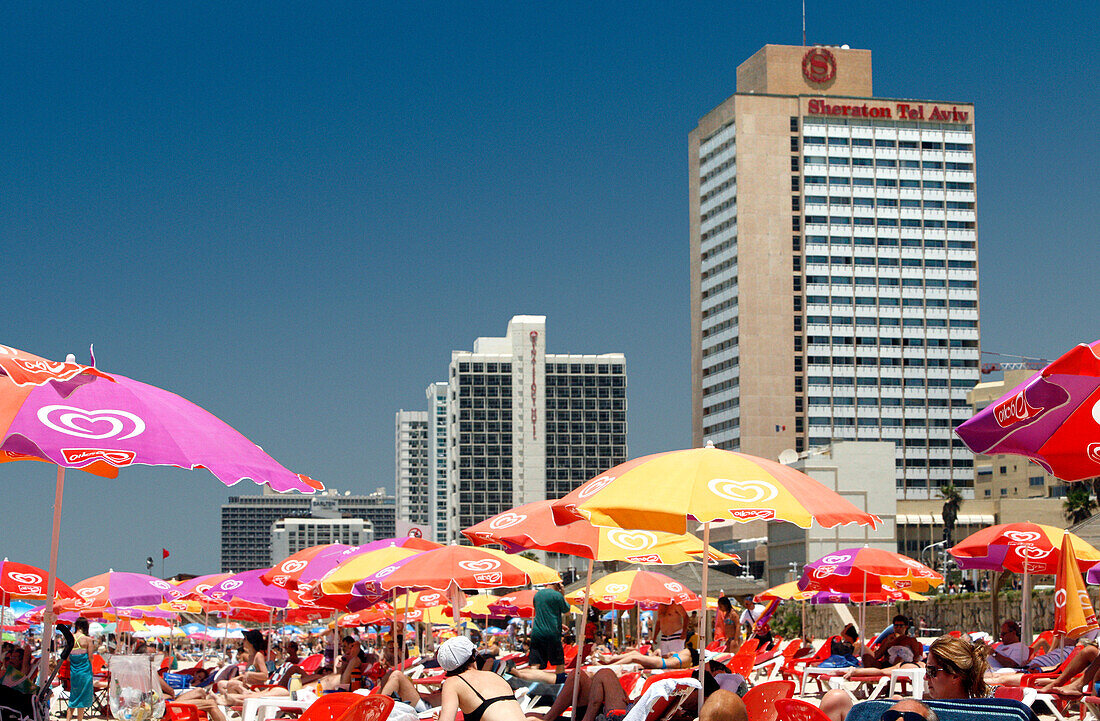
pixel 866 570
pixel 626 589
pixel 789 591
pixel 1051 418
pixel 520 603
pixel 661 492
pixel 309 565
pixel 76 416
pixel 863 570
pixel 1032 548
pixel 1024 548
pixel 463 567
pixel 335 587
pixel 117 588
pixel 479 605
pixel 532 525
pixel 248 586
pixel 18 581
pixel 1073 612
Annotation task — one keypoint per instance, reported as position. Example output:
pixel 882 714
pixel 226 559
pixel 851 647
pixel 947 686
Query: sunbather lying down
pixel 602 693
pixel 1085 660
pixel 680 659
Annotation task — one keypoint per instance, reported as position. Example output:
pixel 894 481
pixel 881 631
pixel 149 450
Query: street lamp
pixel 931 545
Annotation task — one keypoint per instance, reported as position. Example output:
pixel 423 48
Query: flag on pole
pixel 164 553
pixel 1073 612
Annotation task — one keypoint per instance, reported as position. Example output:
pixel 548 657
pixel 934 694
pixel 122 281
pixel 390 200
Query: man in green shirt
pixel 546 648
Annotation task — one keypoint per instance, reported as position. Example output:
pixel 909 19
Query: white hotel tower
pixel 834 281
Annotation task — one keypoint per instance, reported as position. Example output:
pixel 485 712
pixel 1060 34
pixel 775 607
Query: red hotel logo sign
pixel 818 66
pixel 905 111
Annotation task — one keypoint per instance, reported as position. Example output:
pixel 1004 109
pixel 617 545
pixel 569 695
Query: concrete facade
pixel 524 425
pixel 412 467
pixel 834 267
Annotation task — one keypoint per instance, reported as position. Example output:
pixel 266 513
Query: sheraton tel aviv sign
pixel 901 111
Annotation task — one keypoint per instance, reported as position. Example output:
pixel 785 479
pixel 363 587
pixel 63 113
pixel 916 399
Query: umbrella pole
pixel 1025 612
pixel 702 631
pixel 48 614
pixel 580 635
pixel 206 634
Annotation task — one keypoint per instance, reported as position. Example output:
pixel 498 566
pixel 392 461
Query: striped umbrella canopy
pixel 1053 418
pixel 626 589
pixel 662 491
pixel 18 581
pixel 867 570
pixel 1019 547
pixel 310 565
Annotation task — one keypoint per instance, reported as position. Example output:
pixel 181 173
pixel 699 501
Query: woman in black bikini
pixel 482 695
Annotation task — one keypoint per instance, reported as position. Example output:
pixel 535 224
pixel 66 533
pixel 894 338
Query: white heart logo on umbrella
pixel 385 571
pixel 507 520
pixel 293 566
pixel 163 585
pixel 674 587
pixel 615 588
pixel 203 587
pixel 595 485
pixel 25 577
pixel 96 425
pixel 836 559
pixel 1023 536
pixel 90 591
pixel 428 598
pixel 485 564
pixel 824 571
pixel 231 584
pixel 748 491
pixel 1033 553
pixel 632 540
pixel 1060 598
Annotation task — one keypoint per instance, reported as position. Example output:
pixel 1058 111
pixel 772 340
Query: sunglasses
pixel 933 671
pixel 893 715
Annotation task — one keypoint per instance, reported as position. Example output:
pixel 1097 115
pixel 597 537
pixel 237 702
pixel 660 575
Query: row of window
pixel 865 300
pixel 910 183
pixel 889 202
pixel 890 222
pixel 895 302
pixel 881 422
pixel 848 280
pixel 883 242
pixel 889 402
pixel 584 381
pixel 887 381
pixel 577 416
pixel 588 404
pixel 578 439
pixel 816 124
pixel 895 362
pixel 887 342
pixel 565 455
pixel 908 282
pixel 857 162
pixel 889 143
pixel 884 261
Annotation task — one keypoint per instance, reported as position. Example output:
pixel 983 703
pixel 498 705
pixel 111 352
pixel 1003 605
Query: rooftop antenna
pixel 803 23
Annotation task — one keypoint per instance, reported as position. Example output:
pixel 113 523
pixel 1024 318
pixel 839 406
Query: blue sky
pixel 291 213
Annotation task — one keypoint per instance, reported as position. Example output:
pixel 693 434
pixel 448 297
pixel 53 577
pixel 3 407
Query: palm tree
pixel 952 500
pixel 1079 505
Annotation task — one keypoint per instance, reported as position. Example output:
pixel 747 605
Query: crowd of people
pixel 476 682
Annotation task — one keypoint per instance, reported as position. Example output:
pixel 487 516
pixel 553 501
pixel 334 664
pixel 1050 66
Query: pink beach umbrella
pixel 1053 418
pixel 77 416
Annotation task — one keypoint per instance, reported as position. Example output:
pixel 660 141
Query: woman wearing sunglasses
pixel 955 669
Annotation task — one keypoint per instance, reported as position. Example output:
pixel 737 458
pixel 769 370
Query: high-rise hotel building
pixel 411 467
pixel 524 425
pixel 834 281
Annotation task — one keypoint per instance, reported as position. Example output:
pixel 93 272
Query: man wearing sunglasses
pixel 908 710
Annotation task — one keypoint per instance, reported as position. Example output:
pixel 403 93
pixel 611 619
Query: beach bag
pixel 135 693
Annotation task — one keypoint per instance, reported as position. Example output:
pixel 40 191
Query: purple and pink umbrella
pixel 1053 418
pixel 77 416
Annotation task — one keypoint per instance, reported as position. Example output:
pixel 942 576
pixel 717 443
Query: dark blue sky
pixel 291 213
